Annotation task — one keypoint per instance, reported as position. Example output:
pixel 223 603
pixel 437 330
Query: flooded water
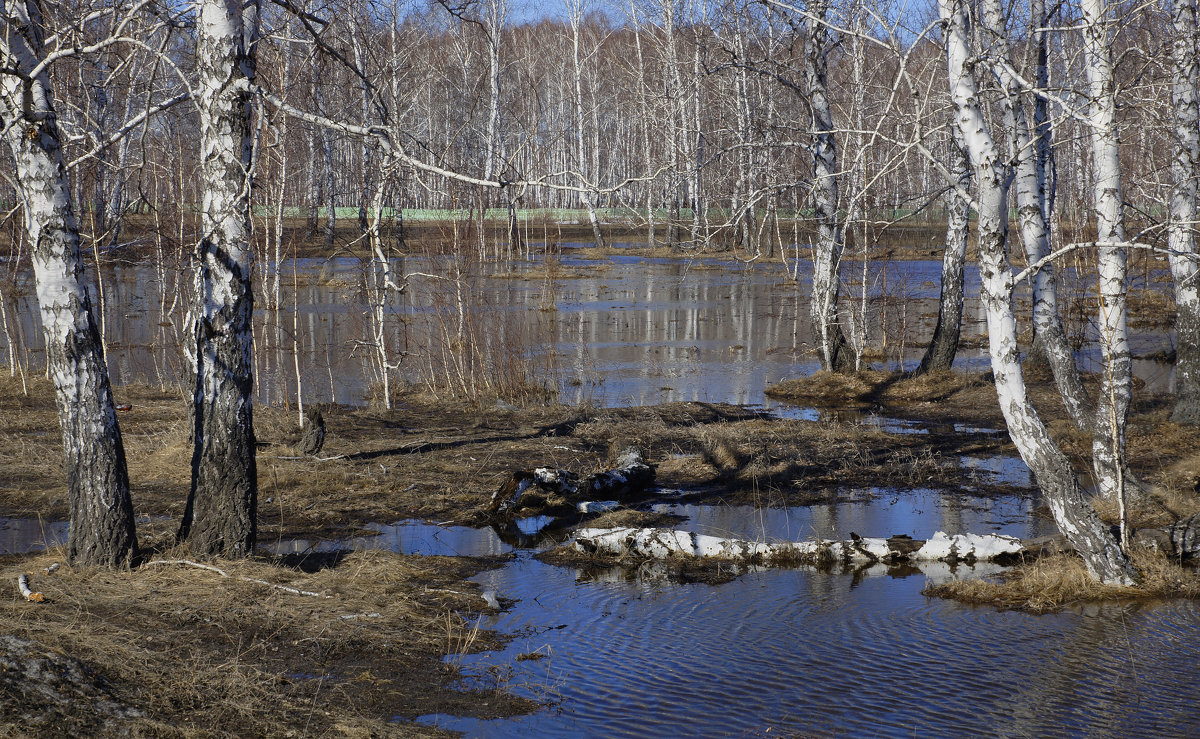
pixel 614 331
pixel 619 653
pixel 785 651
pixel 20 535
pixel 632 653
pixel 802 651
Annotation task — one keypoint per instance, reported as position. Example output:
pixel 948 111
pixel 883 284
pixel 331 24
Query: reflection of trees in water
pixel 1112 670
pixel 624 331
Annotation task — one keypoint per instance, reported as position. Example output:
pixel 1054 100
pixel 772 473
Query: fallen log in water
pixel 523 489
pixel 664 543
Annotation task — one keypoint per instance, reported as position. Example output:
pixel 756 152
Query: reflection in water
pixel 805 651
pixel 618 331
pixel 774 650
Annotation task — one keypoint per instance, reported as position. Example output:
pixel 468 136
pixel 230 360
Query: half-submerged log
pixel 665 543
pixel 530 488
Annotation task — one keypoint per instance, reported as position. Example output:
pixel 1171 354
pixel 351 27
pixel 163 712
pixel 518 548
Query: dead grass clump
pixel 632 518
pixel 1059 581
pixel 194 651
pixel 830 387
pixel 929 387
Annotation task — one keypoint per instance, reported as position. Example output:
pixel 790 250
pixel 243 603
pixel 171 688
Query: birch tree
pixel 827 331
pixel 1072 513
pixel 943 347
pixel 101 513
pixel 1108 445
pixel 1029 180
pixel 1185 99
pixel 220 517
pixel 575 16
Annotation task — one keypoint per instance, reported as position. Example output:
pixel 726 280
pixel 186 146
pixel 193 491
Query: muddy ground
pixel 172 649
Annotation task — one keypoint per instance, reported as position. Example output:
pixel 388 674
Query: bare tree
pixel 1029 179
pixel 943 347
pixel 827 251
pixel 220 517
pixel 1108 444
pixel 1185 97
pixel 101 513
pixel 1075 517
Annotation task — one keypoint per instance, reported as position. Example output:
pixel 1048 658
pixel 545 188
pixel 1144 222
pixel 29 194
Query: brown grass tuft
pixel 830 387
pixel 932 386
pixel 1059 581
pixel 187 648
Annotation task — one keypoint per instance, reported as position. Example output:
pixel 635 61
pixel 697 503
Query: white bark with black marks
pixel 1112 407
pixel 1072 512
pixel 1050 339
pixel 101 514
pixel 1185 99
pixel 666 543
pixel 827 251
pixel 943 347
pixel 220 517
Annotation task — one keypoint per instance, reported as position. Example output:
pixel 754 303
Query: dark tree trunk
pixel 220 517
pixel 940 353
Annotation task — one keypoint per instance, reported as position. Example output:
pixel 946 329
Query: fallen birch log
pixel 664 543
pixel 631 478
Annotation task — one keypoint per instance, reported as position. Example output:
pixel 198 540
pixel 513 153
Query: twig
pixel 223 573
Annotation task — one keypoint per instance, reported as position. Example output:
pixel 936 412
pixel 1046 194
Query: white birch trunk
pixel 576 12
pixel 1075 517
pixel 1185 98
pixel 1108 441
pixel 644 102
pixel 221 512
pixel 101 514
pixel 827 253
pixel 943 347
pixel 1050 340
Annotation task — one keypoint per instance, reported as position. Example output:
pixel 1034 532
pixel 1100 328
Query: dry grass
pixel 930 387
pixel 198 654
pixel 830 387
pixel 1060 581
pixel 834 388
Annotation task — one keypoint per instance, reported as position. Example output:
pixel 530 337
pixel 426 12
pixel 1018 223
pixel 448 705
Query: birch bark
pixel 1050 340
pixel 940 353
pixel 101 514
pixel 1108 441
pixel 1075 517
pixel 827 252
pixel 220 517
pixel 576 12
pixel 1185 98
